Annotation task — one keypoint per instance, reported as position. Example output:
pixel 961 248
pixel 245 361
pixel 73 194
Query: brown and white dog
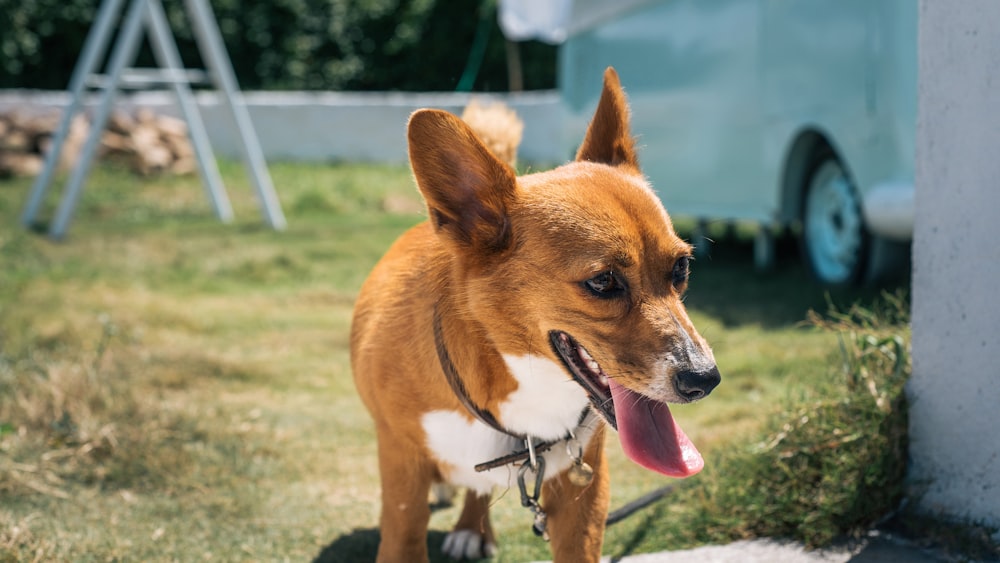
pixel 526 309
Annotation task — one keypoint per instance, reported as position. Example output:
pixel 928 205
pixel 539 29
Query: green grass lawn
pixel 173 388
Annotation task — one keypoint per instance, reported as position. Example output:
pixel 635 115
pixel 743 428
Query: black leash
pixel 638 504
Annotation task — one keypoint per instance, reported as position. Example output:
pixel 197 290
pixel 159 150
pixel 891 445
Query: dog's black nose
pixel 693 385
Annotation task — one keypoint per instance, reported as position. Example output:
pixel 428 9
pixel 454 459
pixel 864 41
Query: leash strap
pixel 515 457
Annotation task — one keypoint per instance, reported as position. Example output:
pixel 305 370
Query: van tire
pixel 835 242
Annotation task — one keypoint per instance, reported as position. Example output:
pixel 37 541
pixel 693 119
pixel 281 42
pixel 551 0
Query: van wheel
pixel 835 242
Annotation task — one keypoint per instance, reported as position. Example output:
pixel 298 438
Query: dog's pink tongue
pixel 650 437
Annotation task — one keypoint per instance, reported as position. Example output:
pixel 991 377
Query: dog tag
pixel 540 525
pixel 581 473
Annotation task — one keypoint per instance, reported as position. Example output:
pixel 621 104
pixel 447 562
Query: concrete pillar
pixel 955 389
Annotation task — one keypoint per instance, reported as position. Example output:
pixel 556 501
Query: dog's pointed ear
pixel 467 189
pixel 608 139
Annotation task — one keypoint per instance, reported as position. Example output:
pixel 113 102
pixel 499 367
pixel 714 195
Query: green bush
pixel 416 45
pixel 835 461
pixel 831 460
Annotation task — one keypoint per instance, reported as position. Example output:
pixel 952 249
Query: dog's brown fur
pixel 503 261
pixel 498 127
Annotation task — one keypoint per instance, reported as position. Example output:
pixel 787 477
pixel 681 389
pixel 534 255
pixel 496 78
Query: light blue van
pixel 783 113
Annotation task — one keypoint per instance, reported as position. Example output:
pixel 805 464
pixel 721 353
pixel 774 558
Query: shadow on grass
pixel 362 545
pixel 726 285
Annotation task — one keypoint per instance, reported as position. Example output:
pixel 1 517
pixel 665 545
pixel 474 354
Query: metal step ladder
pixel 150 14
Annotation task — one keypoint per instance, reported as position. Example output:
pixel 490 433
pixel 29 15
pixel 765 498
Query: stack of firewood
pixel 147 143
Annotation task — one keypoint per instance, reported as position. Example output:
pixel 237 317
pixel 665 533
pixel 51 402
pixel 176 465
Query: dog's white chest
pixel 546 405
pixel 547 402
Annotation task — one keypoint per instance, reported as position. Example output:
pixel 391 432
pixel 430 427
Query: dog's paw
pixel 467 544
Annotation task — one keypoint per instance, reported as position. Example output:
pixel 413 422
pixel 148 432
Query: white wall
pixel 955 389
pixel 333 125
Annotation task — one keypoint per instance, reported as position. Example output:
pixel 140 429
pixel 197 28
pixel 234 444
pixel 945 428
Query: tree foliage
pixel 294 44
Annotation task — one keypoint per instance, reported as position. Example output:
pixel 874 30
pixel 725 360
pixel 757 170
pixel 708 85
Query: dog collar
pixel 458 387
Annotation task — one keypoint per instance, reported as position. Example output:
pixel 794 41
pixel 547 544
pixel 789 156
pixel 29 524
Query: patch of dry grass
pixel 81 419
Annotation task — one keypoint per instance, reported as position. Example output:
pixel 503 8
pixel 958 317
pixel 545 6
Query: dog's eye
pixel 679 275
pixel 606 285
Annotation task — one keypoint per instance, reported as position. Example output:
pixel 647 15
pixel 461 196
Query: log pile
pixel 147 143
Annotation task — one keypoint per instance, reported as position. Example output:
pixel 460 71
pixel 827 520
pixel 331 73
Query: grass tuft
pixel 834 464
pixel 831 461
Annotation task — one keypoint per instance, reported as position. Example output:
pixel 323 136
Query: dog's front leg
pixel 406 480
pixel 576 515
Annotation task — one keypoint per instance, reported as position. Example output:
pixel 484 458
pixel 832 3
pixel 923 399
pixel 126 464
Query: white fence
pixel 319 126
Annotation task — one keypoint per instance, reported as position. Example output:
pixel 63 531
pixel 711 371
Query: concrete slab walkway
pixel 878 548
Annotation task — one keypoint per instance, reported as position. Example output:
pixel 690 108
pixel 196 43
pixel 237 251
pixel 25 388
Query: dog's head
pixel 579 264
